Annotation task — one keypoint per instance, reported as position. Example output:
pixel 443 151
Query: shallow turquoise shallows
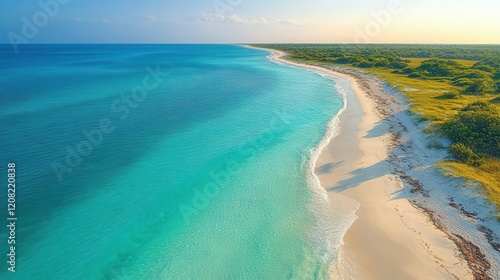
pixel 162 162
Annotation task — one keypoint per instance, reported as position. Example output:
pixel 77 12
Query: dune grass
pixel 425 97
pixel 488 174
pixel 415 62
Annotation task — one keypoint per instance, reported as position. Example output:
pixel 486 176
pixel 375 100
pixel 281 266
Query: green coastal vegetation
pixel 454 87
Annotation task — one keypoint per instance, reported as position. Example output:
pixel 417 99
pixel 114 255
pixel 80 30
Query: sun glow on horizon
pixel 224 21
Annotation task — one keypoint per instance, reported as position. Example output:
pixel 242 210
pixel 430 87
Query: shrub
pixel 462 82
pixel 407 71
pixel 464 154
pixel 476 126
pixel 364 64
pixel 481 86
pixel 439 67
pixel 399 64
pixel 449 95
pixel 483 67
pixel 495 100
pixel 416 75
pixel 347 60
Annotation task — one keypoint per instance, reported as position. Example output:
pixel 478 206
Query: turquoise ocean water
pixel 163 162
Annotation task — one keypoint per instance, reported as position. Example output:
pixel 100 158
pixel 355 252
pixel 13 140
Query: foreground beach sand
pixel 391 238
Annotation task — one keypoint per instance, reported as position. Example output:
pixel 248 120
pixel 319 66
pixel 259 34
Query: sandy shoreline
pixel 391 238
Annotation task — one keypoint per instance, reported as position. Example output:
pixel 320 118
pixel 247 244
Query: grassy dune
pixel 425 99
pixel 426 96
pixel 488 174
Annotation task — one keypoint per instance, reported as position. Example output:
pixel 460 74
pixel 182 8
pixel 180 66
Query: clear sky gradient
pixel 251 21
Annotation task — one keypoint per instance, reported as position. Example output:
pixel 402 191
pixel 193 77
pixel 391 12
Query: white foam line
pixel 333 130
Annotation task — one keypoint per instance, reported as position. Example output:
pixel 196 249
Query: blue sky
pixel 243 21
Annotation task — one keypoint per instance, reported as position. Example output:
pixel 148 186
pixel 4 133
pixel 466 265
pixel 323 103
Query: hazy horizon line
pixel 233 43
